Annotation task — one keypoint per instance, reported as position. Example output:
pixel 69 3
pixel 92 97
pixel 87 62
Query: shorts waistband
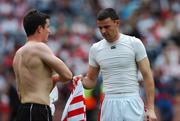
pixel 121 95
pixel 35 104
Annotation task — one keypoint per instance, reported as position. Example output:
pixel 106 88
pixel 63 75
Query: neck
pixel 115 39
pixel 34 38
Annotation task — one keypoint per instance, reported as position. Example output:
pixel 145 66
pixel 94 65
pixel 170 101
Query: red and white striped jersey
pixel 75 109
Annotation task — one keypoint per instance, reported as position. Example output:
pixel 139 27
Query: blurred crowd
pixel 74 30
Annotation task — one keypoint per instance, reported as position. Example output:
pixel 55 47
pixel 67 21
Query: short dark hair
pixel 32 20
pixel 106 13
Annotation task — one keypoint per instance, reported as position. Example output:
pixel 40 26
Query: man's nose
pixel 103 30
pixel 50 32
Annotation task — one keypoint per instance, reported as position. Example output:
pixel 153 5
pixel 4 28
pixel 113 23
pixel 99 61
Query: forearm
pixel 150 92
pixel 144 67
pixel 57 77
pixel 88 83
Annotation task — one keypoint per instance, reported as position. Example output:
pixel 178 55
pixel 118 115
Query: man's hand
pixel 150 115
pixel 55 78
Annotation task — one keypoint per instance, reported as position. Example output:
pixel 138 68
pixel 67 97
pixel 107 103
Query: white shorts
pixel 122 107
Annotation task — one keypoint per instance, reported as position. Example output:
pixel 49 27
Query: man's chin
pixel 109 40
pixel 45 41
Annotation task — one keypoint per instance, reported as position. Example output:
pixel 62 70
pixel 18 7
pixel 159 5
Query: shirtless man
pixel 34 66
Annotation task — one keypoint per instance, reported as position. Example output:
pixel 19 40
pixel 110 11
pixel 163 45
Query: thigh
pixel 133 109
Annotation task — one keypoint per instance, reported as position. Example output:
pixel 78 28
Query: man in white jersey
pixel 118 57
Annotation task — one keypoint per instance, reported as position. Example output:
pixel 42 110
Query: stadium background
pixel 73 24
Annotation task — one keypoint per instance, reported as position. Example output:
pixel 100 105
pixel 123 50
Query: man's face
pixel 109 29
pixel 46 31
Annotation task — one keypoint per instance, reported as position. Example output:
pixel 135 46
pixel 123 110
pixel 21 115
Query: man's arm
pixel 16 74
pixel 145 69
pixel 90 80
pixel 54 62
pixel 56 77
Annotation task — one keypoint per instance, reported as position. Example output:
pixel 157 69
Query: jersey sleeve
pixel 92 55
pixel 140 51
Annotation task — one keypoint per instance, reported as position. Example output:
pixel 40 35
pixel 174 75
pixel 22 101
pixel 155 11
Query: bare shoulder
pixel 36 48
pixel 32 49
pixel 42 47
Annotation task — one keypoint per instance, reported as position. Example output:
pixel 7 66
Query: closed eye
pixel 105 27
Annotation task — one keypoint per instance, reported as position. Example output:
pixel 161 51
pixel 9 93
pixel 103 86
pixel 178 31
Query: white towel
pixel 53 98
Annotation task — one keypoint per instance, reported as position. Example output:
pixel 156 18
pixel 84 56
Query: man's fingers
pixel 148 118
pixel 76 79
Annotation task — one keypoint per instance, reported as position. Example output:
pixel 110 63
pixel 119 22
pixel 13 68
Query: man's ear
pixel 39 29
pixel 117 22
